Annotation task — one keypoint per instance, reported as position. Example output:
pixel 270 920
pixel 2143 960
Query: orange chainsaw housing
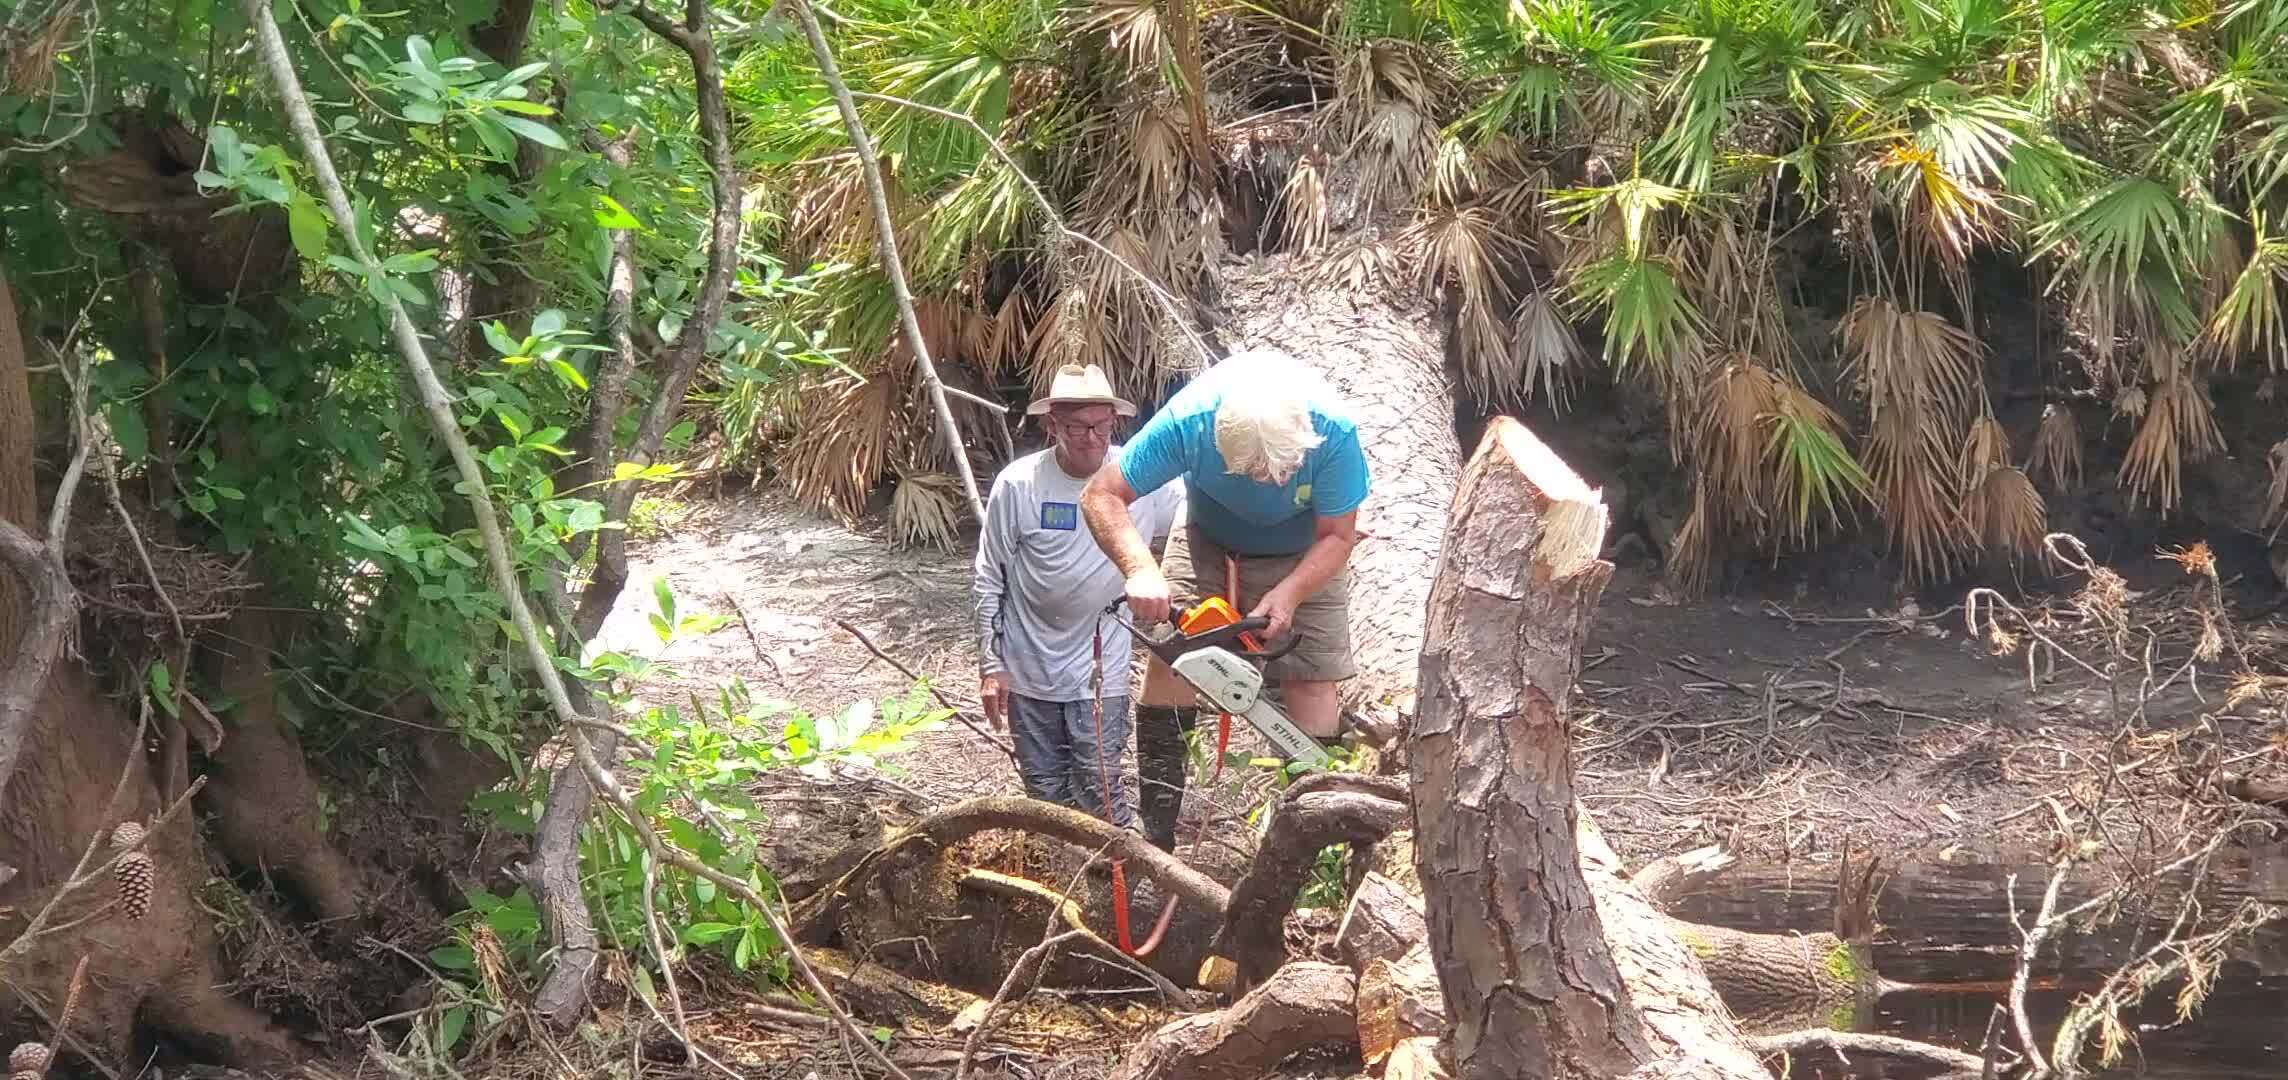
pixel 1206 615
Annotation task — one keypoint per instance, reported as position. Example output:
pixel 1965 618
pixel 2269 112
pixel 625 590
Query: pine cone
pixel 27 1058
pixel 134 872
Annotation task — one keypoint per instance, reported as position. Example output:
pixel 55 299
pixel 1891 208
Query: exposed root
pixel 1317 812
pixel 814 920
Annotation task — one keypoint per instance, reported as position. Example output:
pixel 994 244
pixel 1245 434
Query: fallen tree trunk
pixel 1519 891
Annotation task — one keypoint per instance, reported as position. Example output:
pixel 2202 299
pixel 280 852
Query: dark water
pixel 1949 923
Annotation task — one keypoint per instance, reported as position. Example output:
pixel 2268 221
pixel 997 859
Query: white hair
pixel 1263 424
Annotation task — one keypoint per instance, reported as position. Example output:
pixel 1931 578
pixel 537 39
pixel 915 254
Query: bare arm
pixel 1104 503
pixel 1330 548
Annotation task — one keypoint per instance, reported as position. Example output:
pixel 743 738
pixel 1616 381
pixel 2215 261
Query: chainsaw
pixel 1220 662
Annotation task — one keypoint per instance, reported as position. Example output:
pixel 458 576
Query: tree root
pixel 1069 912
pixel 1302 1006
pixel 815 919
pixel 1318 811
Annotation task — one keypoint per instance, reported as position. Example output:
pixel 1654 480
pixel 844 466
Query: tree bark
pixel 1518 889
pixel 1382 923
pixel 1305 1005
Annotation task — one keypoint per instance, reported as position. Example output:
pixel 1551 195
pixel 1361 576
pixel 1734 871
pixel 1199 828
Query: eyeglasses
pixel 1075 431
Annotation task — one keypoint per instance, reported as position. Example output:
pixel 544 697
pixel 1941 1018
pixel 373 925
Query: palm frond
pixel 1545 352
pixel 2179 428
pixel 1917 372
pixel 1303 204
pixel 1815 473
pixel 2057 448
pixel 2249 319
pixel 1648 317
pixel 1987 448
pixel 925 509
pixel 2276 489
pixel 2007 514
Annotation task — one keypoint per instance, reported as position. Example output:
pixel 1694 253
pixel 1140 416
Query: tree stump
pixel 1518 890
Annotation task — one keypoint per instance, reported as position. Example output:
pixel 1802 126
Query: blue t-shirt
pixel 1246 516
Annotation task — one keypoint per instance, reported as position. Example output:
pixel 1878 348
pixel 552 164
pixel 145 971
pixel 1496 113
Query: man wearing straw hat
pixel 1041 584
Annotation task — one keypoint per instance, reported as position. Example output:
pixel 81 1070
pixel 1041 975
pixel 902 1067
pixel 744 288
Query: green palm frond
pixel 2250 319
pixel 1648 317
pixel 1817 474
pixel 1733 56
pixel 2131 245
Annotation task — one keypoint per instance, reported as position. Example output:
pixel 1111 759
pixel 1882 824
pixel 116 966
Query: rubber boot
pixel 1160 734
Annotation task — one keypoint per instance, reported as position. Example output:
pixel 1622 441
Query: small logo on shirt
pixel 1303 495
pixel 1061 516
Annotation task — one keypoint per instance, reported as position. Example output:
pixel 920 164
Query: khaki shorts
pixel 1194 565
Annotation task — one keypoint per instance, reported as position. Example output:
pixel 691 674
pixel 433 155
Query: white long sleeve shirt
pixel 1041 583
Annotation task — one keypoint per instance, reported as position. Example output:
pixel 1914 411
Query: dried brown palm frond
pixel 1923 513
pixel 1156 144
pixel 844 437
pixel 2057 448
pixel 1988 447
pixel 1732 273
pixel 1692 551
pixel 1917 371
pixel 925 509
pixel 1545 351
pixel 2006 513
pixel 1727 436
pixel 1133 28
pixel 1303 202
pixel 1360 264
pixel 1453 177
pixel 830 218
pixel 2179 428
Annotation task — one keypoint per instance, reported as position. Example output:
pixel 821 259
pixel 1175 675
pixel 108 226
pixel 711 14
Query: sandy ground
pixel 1783 732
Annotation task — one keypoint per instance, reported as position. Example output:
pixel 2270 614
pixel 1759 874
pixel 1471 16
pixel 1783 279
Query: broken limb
pixel 886 241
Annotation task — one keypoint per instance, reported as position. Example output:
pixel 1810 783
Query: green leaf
pixel 536 131
pixel 450 1027
pixel 424 112
pixel 163 687
pixel 306 223
pixel 611 215
pixel 496 335
pixel 571 375
pixel 663 591
pixel 521 107
pixel 548 323
pixel 410 262
pixel 127 426
pixel 497 139
pixel 259 400
pixel 707 933
pixel 524 74
pixel 452 957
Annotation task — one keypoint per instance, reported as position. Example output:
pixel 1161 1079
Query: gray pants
pixel 1057 747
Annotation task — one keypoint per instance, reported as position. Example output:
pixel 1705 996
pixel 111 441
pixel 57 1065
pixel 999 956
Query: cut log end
pixel 1573 514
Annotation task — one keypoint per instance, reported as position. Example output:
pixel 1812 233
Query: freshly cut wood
pixel 1303 1006
pixel 1416 1059
pixel 1552 965
pixel 1399 1000
pixel 1382 923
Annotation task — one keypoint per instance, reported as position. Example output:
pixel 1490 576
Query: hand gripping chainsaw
pixel 1218 655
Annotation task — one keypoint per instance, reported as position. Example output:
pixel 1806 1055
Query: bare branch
pixel 886 241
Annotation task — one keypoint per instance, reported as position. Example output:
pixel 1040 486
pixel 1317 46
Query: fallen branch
pixel 1303 1005
pixel 1026 967
pixel 886 241
pixel 1843 1046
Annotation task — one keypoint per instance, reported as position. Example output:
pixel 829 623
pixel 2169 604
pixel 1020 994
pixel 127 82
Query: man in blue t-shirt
pixel 1273 476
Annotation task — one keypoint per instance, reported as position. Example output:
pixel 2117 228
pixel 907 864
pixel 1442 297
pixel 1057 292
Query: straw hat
pixel 1077 385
